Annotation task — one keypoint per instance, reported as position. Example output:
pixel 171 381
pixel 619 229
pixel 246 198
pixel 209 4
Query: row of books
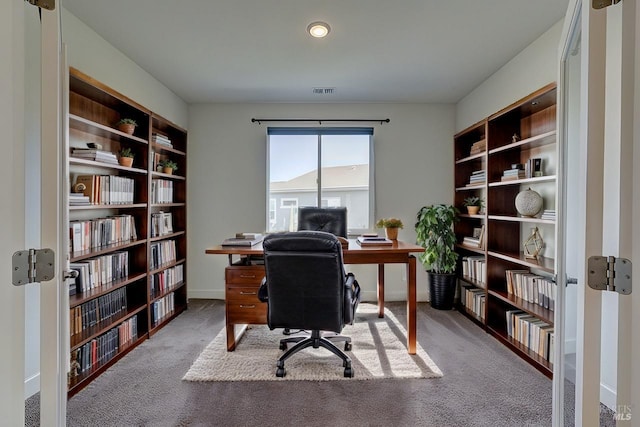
pixel 101 232
pixel 478 147
pixel 97 310
pixel 475 268
pixel 166 280
pixel 161 191
pixel 478 177
pixel 532 288
pixel 100 271
pixel 95 155
pixel 105 189
pixel 531 332
pixel 100 350
pixel 162 253
pixel 160 139
pixel 474 300
pixel 161 224
pixel 162 308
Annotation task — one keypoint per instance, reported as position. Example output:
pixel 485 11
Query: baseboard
pixel 206 294
pixel 608 396
pixel 31 385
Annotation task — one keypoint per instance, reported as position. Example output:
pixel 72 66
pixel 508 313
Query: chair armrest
pixel 263 293
pixel 351 298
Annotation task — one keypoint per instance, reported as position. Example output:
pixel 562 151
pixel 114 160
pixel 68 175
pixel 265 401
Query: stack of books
pixel 243 239
pixel 78 199
pixel 373 240
pixel 478 147
pixel 159 139
pixel 95 155
pixel 512 174
pixel 549 214
pixel 477 177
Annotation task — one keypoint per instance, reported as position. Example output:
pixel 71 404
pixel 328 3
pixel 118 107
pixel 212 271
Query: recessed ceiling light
pixel 318 29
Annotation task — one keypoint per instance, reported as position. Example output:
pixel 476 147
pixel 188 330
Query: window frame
pixel 320 132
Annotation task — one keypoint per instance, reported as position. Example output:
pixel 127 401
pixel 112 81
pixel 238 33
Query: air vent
pixel 324 90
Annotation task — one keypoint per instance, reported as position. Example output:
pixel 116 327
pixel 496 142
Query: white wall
pixel 534 67
pixel 94 56
pixel 226 183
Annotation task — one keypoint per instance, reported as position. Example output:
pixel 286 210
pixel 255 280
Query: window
pixel 327 167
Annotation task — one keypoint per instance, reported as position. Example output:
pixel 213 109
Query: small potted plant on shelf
pixel 127 125
pixel 126 157
pixel 473 204
pixel 168 166
pixel 434 228
pixel 391 226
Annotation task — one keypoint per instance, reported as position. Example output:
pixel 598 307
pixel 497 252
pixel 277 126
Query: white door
pixel 598 201
pixel 20 25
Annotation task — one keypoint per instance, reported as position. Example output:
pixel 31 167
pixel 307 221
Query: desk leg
pixel 411 305
pixel 233 337
pixel 380 290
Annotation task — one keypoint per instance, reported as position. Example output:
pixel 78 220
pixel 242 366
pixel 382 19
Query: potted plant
pixel 168 166
pixel 127 125
pixel 434 228
pixel 473 204
pixel 126 157
pixel 391 226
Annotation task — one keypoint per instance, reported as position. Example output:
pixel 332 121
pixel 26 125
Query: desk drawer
pixel 241 275
pixel 246 310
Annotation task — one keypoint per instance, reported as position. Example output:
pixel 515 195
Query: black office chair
pixel 331 220
pixel 307 288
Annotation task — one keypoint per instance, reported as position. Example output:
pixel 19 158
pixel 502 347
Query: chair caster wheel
pixel 283 346
pixel 280 372
pixel 348 372
pixel 347 346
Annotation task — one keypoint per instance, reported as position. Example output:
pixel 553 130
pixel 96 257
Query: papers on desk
pixel 369 240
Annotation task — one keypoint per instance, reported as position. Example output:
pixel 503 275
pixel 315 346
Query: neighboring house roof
pixel 333 178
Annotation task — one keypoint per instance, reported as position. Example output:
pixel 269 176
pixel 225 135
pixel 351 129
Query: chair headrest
pixel 301 241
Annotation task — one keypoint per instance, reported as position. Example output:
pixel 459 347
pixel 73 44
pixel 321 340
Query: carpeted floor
pixel 483 384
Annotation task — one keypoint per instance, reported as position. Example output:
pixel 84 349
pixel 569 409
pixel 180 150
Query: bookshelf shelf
pixel 125 303
pixel 520 136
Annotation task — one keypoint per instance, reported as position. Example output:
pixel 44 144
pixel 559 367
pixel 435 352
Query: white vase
pixel 528 203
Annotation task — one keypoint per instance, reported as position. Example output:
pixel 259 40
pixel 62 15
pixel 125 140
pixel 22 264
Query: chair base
pixel 315 340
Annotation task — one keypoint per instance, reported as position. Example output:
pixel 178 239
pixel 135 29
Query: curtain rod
pixel 259 121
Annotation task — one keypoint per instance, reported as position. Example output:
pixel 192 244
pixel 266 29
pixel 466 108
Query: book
pixel 234 241
pixel 251 236
pixel 373 241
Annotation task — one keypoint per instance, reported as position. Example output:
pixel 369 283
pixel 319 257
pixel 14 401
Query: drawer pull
pixel 248 276
pixel 247 306
pixel 248 293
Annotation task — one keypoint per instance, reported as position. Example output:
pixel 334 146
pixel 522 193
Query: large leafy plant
pixel 434 228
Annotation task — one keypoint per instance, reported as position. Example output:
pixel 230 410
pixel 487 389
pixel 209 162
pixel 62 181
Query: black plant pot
pixel 442 288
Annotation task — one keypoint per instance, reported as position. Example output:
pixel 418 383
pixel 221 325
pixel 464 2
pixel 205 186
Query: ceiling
pixel 377 51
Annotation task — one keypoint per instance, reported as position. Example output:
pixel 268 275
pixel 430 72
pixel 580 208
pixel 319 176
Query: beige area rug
pixel 379 351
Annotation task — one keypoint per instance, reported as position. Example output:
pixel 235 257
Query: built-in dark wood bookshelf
pixel 483 152
pixel 137 247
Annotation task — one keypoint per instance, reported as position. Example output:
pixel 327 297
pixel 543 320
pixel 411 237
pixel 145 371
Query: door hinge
pixel 33 265
pixel 610 274
pixel 601 4
pixel 46 4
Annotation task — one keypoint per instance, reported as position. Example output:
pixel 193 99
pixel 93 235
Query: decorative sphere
pixel 528 202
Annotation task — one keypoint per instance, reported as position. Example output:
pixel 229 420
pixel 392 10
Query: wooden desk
pixel 242 282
